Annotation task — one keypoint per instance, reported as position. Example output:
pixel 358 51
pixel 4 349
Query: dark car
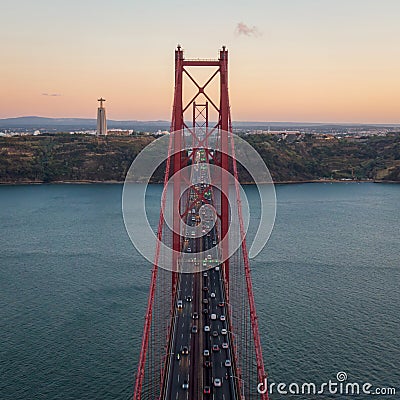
pixel 189 298
pixel 195 315
pixel 215 333
pixel 185 350
pixel 207 390
pixel 207 364
pixel 215 347
pixel 205 301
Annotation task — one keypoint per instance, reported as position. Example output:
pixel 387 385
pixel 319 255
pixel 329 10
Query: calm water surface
pixel 73 289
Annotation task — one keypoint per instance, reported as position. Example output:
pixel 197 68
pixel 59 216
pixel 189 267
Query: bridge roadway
pixel 191 373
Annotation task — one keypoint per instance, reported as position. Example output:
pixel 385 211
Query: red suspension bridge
pixel 201 337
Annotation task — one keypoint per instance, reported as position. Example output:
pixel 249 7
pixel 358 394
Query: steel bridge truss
pixel 215 140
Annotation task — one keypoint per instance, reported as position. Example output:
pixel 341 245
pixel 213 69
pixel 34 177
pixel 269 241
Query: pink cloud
pixel 243 29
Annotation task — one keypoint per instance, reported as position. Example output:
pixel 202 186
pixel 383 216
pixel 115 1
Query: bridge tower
pixel 206 141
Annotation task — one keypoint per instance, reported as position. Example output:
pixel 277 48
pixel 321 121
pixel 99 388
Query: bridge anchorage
pixel 201 337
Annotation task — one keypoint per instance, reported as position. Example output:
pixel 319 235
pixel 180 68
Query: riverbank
pixel 85 159
pixel 112 182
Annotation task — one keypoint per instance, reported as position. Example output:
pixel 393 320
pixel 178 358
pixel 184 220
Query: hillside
pixel 65 157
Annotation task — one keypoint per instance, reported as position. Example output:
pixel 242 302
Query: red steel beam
pixel 177 137
pixel 224 127
pixel 150 301
pixel 201 63
pixel 249 284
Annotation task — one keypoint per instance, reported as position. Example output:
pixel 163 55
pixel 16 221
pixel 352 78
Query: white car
pixel 222 317
pixel 217 382
pixel 224 331
pixel 206 328
pixel 206 353
pixel 228 363
pixel 217 268
pixel 225 345
pixel 213 317
pixel 212 295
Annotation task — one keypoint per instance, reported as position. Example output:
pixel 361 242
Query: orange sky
pixel 310 61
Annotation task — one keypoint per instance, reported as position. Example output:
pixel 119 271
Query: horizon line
pixel 234 121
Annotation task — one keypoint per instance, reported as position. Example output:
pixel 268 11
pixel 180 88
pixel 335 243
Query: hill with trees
pixel 85 158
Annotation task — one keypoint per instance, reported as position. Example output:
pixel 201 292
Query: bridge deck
pixel 191 373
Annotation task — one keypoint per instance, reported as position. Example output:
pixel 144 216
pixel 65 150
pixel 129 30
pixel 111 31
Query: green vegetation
pixel 64 157
pixel 376 158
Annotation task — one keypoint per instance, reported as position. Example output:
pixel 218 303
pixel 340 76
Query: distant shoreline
pixel 88 182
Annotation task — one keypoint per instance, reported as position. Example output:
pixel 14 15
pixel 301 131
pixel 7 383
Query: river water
pixel 73 289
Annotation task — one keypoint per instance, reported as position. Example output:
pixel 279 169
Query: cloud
pixel 51 94
pixel 243 29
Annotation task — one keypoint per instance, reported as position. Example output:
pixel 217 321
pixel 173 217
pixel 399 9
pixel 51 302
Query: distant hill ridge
pixel 31 122
pixel 58 124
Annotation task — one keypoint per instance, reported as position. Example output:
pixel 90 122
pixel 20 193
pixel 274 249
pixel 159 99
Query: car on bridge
pixel 207 328
pixel 185 350
pixel 225 345
pixel 179 304
pixel 185 385
pixel 194 329
pixel 195 315
pixel 215 348
pixel 224 331
pixel 206 352
pixel 217 382
pixel 222 317
pixel 189 299
pixel 228 363
pixel 207 390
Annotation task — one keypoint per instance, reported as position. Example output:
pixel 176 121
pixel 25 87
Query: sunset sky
pixel 290 60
